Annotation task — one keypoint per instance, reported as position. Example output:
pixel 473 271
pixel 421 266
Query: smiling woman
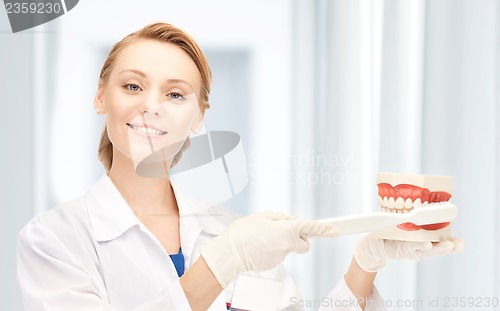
pixel 137 243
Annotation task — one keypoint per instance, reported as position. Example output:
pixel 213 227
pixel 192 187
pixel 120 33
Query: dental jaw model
pixel 400 193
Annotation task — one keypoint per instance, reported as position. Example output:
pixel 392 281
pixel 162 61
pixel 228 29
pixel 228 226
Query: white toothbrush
pixel 425 214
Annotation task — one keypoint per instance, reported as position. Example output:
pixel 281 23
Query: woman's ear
pixel 197 126
pixel 99 105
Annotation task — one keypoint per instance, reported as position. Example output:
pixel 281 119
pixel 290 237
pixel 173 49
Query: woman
pixel 126 243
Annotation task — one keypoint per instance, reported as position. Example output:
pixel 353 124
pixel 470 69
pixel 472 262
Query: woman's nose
pixel 154 106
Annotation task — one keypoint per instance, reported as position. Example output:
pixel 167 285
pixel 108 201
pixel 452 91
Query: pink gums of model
pixel 399 193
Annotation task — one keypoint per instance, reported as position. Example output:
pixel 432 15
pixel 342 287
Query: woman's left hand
pixel 371 252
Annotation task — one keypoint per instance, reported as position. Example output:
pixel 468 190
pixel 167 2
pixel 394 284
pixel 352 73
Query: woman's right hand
pixel 259 242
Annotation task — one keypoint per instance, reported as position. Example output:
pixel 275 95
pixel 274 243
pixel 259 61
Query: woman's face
pixel 151 100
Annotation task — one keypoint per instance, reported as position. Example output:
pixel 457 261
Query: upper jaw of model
pixel 399 193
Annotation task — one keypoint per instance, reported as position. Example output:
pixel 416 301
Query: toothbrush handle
pixel 423 215
pixel 364 223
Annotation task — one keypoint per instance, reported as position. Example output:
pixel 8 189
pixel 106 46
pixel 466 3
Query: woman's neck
pixel 145 196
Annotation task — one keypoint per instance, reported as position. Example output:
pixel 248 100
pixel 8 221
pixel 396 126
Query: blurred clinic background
pixel 324 94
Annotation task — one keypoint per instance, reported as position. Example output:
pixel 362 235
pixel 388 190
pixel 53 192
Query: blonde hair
pixel 162 32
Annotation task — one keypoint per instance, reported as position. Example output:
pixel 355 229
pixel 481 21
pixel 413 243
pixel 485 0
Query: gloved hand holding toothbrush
pixel 260 242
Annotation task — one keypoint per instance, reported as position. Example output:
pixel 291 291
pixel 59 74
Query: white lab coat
pixel 94 254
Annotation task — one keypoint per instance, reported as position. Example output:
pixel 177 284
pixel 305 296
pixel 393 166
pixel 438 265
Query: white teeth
pixel 408 204
pixel 400 203
pixel 148 130
pixel 390 203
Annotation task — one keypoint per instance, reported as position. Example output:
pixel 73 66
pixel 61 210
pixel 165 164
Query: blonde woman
pixel 137 243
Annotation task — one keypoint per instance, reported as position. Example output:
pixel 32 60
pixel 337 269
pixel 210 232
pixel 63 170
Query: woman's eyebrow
pixel 142 74
pixel 179 81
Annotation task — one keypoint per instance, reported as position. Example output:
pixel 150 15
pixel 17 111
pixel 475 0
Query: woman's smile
pixel 146 130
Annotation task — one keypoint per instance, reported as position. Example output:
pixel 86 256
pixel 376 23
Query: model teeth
pixel 408 204
pixel 391 203
pixel 148 130
pixel 398 205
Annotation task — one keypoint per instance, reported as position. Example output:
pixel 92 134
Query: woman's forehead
pixel 157 60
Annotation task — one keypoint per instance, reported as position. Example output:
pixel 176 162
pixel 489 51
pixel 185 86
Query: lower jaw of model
pixel 400 193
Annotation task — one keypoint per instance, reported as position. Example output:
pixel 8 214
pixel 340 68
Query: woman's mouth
pixel 146 129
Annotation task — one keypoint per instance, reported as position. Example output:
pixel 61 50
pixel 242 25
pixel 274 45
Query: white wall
pixel 17 152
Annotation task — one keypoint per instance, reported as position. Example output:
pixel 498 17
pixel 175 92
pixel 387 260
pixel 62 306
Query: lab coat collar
pixel 110 215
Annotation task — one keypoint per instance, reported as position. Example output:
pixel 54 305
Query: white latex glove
pixel 371 253
pixel 259 242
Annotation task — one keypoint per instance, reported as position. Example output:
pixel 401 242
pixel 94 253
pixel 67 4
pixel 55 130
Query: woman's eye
pixel 175 95
pixel 133 87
